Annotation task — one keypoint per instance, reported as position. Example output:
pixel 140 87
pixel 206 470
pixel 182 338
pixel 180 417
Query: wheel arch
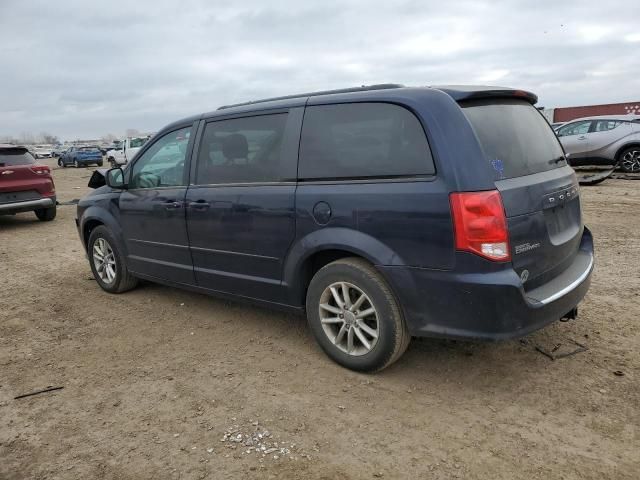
pixel 635 143
pixel 312 252
pixel 94 217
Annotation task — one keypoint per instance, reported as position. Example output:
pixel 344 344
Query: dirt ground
pixel 158 383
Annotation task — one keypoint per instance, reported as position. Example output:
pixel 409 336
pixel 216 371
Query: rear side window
pixel 362 140
pixel 18 156
pixel 606 125
pixel 516 139
pixel 242 150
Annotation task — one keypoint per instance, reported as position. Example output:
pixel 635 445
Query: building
pixel 566 114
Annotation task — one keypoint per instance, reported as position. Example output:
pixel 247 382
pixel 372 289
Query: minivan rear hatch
pixel 539 190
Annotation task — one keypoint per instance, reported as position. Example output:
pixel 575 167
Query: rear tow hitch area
pixel 570 315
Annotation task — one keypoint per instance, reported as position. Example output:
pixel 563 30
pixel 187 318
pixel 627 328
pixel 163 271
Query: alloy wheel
pixel 104 260
pixel 631 161
pixel 349 318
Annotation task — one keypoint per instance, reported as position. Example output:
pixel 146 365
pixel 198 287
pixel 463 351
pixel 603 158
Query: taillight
pixel 41 169
pixel 480 224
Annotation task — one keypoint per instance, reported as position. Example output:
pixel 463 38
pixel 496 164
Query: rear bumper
pixel 487 306
pixel 27 205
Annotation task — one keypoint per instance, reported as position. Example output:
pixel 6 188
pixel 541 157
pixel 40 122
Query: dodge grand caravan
pixel 382 212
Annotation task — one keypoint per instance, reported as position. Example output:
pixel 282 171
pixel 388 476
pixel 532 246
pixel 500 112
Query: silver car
pixel 603 140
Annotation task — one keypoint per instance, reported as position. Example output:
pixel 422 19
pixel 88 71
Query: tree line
pixel 28 138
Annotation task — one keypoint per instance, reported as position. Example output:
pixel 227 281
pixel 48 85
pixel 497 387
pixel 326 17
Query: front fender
pixel 104 213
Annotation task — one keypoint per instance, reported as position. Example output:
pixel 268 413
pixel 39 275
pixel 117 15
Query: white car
pixel 42 151
pixel 128 148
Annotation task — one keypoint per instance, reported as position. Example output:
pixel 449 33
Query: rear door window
pixel 606 125
pixel 243 150
pixel 362 140
pixel 13 157
pixel 515 137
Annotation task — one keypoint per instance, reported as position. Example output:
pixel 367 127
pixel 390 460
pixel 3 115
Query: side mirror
pixel 115 178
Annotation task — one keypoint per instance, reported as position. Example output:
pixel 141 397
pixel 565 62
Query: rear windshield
pixel 516 139
pixel 18 156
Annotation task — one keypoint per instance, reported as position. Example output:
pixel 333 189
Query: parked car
pixel 58 150
pixel 42 151
pixel 557 125
pixel 25 186
pixel 126 150
pixel 382 212
pixel 603 140
pixel 81 157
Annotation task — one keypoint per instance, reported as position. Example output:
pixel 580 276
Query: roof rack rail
pixel 363 88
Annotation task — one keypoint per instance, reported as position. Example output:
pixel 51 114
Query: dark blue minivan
pixel 383 212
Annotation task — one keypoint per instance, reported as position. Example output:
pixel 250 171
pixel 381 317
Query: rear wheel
pixel 76 164
pixel 46 214
pixel 100 163
pixel 630 160
pixel 355 317
pixel 107 262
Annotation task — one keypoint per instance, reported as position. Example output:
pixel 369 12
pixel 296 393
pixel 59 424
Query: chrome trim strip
pixel 569 287
pixel 228 252
pixel 160 244
pixel 43 202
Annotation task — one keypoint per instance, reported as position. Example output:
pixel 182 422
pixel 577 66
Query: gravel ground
pixel 158 383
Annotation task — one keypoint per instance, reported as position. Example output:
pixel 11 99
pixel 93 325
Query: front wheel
pixel 630 160
pixel 99 163
pixel 355 317
pixel 46 214
pixel 61 163
pixel 107 262
pixel 76 164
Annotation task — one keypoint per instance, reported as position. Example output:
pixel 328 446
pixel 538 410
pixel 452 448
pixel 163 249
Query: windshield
pixel 12 157
pixel 88 149
pixel 515 137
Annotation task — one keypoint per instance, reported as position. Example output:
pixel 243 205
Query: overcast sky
pixel 84 69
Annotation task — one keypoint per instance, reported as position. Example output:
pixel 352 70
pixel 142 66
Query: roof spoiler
pixel 466 93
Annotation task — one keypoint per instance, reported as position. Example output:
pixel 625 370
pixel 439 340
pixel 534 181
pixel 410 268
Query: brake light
pixel 480 224
pixel 41 169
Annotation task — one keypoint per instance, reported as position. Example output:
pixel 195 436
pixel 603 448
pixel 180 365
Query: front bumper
pixel 27 205
pixel 487 306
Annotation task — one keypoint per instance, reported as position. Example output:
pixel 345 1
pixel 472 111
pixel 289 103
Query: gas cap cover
pixel 322 213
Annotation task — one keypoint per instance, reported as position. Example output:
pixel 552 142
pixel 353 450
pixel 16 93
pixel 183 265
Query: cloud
pixel 83 69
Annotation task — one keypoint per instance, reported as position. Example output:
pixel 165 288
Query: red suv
pixel 24 184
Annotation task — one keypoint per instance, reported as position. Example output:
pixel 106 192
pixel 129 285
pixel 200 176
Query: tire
pixel 100 163
pixel 46 214
pixel 630 160
pixel 122 280
pixel 112 162
pixel 76 164
pixel 61 163
pixel 386 321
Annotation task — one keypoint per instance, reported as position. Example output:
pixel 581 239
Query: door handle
pixel 172 205
pixel 582 137
pixel 199 205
